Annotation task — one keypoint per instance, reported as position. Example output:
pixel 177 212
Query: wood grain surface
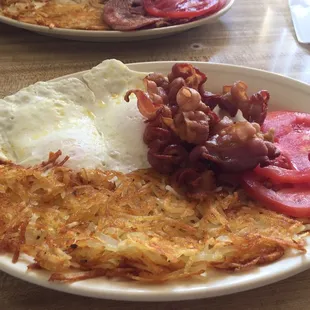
pixel 255 33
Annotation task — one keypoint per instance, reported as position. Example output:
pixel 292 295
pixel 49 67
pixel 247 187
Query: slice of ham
pixel 127 15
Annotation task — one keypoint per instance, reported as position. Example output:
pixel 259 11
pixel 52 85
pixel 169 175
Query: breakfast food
pixel 105 223
pixel 121 15
pixel 191 133
pixel 80 118
pixel 288 177
pixel 71 14
pixel 79 196
pixel 184 133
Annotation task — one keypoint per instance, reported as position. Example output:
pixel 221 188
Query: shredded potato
pixel 92 223
pixel 70 14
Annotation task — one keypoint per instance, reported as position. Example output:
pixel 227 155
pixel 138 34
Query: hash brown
pixel 91 223
pixel 70 14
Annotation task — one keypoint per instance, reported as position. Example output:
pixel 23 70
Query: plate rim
pixel 303 262
pixel 113 34
pixel 282 79
pixel 153 296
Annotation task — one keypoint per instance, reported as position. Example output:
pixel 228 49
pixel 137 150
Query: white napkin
pixel 300 10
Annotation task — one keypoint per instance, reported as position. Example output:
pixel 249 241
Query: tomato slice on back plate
pixel 177 9
pixel 292 201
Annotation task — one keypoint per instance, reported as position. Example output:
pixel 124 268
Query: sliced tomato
pixel 296 146
pixel 292 133
pixel 280 122
pixel 178 9
pixel 282 175
pixel 292 201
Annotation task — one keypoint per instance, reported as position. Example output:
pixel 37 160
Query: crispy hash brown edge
pixel 92 223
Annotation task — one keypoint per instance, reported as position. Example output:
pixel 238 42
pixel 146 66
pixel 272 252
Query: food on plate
pixel 293 200
pixel 181 8
pixel 139 175
pixel 184 133
pixel 81 118
pixel 121 15
pixel 279 174
pixel 128 15
pixel 292 135
pixel 190 137
pixel 105 223
pixel 284 185
pixel 70 14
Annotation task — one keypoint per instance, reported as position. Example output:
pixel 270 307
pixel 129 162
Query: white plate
pixel 108 36
pixel 283 92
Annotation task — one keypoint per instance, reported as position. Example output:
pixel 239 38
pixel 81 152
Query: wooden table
pixel 255 33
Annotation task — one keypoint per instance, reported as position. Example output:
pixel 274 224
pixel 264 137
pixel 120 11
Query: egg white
pixel 86 119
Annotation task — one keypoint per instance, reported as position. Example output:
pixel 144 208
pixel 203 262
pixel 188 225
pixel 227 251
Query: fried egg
pixel 87 119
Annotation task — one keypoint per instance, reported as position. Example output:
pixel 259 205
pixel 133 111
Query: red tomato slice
pixel 293 201
pixel 280 121
pixel 177 9
pixel 292 132
pixel 282 175
pixel 296 147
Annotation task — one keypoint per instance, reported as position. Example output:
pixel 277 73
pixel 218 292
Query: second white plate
pixel 109 35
